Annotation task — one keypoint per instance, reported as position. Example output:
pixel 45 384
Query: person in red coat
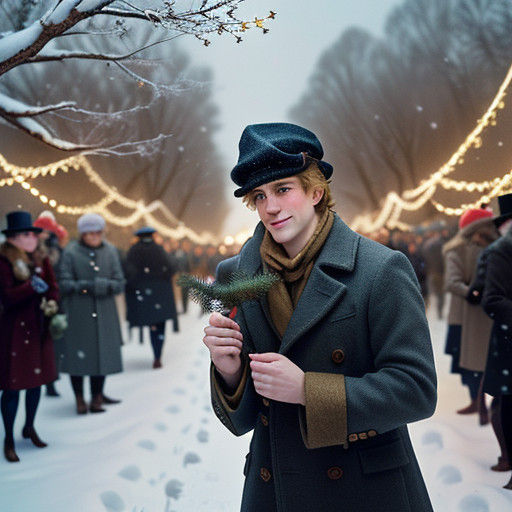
pixel 28 298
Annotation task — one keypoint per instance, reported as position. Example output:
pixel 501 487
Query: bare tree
pixel 32 32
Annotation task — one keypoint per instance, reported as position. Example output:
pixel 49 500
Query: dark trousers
pixel 96 381
pixel 157 333
pixel 9 406
pixel 506 422
pixel 472 380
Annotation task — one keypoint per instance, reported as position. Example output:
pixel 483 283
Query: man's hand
pixel 277 378
pixel 224 341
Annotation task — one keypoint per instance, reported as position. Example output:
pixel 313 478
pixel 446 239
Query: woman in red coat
pixel 28 296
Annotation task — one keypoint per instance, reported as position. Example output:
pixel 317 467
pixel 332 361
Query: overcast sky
pixel 259 79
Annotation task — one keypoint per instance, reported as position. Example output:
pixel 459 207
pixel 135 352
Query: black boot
pixel 50 390
pixel 10 453
pixel 30 433
pixel 96 402
pixel 109 401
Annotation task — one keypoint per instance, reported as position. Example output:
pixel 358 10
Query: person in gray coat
pixel 329 367
pixel 90 278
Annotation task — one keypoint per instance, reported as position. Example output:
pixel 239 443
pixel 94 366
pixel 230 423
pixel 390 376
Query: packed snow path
pixel 163 450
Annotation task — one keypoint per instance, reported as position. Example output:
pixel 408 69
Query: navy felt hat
pixel 272 151
pixel 19 221
pixel 146 230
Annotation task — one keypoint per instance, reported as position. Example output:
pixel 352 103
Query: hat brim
pixel 276 174
pixel 498 221
pixel 8 232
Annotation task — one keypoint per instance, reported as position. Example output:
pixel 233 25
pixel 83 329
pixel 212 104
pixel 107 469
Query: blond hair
pixel 309 179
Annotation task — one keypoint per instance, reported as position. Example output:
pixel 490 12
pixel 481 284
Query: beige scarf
pixel 284 295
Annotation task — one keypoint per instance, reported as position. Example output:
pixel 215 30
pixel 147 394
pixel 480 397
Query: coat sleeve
pixel 13 293
pixel 51 281
pixel 454 275
pixel 114 284
pixel 497 298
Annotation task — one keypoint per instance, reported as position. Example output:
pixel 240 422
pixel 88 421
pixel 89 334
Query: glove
pixel 58 324
pixel 101 286
pixel 38 284
pixel 49 308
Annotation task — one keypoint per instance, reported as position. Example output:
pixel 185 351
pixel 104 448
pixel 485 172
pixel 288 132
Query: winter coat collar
pixel 324 288
pixel 18 259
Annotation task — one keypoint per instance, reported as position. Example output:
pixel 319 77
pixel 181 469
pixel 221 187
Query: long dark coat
pixel 149 293
pixel 497 303
pixel 89 280
pixel 359 330
pixel 27 358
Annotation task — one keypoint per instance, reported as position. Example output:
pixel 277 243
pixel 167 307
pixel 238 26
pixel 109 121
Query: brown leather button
pixel 363 435
pixel 352 438
pixel 264 420
pixel 265 474
pixel 372 433
pixel 266 403
pixel 335 473
pixel 338 356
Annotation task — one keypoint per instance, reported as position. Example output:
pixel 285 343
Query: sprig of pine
pixel 218 297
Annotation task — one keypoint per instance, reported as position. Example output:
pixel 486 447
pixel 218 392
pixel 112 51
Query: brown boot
pixel 509 485
pixel 109 401
pixel 30 433
pixel 502 465
pixel 157 364
pixel 472 408
pixel 9 453
pixel 81 406
pixel 96 402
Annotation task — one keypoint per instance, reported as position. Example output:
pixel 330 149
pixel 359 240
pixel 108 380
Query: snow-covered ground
pixel 163 450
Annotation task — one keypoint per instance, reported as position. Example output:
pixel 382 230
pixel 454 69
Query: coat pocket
pixel 343 315
pixel 247 463
pixel 384 457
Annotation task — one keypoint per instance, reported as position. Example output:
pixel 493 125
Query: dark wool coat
pixel 27 358
pixel 149 293
pixel 89 281
pixel 497 303
pixel 359 332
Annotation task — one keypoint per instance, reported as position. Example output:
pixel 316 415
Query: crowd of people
pixel 44 277
pixel 59 314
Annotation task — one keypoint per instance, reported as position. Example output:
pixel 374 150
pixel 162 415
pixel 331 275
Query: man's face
pixel 288 212
pixel 93 238
pixel 26 241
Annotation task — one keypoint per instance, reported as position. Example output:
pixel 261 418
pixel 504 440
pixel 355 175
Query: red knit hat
pixel 474 214
pixel 46 223
pixel 61 232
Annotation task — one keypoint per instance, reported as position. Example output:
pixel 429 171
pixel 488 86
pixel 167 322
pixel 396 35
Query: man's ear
pixel 318 193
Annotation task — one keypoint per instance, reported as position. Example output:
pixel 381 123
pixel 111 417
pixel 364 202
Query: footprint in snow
pixel 173 489
pixel 193 400
pixel 204 420
pixel 432 437
pixel 131 473
pixel 186 428
pixel 161 427
pixel 146 444
pixel 202 436
pixel 112 501
pixel 207 408
pixel 173 409
pixel 191 376
pixel 197 363
pixel 179 391
pixel 449 475
pixel 191 458
pixel 473 503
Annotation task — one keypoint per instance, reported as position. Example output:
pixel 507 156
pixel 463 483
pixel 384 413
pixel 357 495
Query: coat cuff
pixel 323 421
pixel 230 401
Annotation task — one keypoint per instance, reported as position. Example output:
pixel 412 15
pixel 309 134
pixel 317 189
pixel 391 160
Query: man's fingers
pixel 259 367
pixel 227 351
pixel 267 357
pixel 215 341
pixel 223 332
pixel 218 320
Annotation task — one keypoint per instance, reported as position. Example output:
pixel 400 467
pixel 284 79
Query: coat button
pixel 265 474
pixel 266 403
pixel 363 436
pixel 352 437
pixel 338 356
pixel 264 420
pixel 335 473
pixel 372 433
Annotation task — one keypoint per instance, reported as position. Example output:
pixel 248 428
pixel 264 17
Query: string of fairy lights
pixel 394 204
pixel 411 200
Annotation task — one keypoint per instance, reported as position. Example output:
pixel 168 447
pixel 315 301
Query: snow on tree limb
pixel 15 108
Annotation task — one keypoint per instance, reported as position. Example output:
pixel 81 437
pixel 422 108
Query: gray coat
pixel 89 281
pixel 359 330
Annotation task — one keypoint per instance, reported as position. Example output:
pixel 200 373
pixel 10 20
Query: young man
pixel 339 354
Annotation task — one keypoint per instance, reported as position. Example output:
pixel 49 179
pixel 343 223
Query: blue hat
pixel 19 221
pixel 146 230
pixel 90 223
pixel 272 151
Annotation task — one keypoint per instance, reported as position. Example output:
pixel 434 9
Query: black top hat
pixel 271 151
pixel 505 204
pixel 19 221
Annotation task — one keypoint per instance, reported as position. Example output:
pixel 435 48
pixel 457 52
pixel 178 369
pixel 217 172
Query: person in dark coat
pixel 497 303
pixel 28 296
pixel 149 293
pixel 90 278
pixel 419 266
pixel 336 358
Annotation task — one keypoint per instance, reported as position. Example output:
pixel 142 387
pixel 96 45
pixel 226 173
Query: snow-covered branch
pixel 13 108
